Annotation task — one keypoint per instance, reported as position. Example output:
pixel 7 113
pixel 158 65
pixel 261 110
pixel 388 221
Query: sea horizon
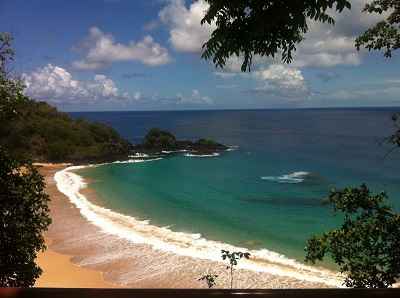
pixel 377 107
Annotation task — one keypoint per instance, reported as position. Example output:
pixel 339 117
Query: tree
pixel 266 28
pixel 210 279
pixel 260 27
pixel 367 245
pixel 24 215
pixel 233 258
pixel 11 89
pixel 24 212
pixel 385 34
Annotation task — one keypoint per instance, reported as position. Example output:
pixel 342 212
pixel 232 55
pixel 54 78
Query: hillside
pixel 157 140
pixel 45 134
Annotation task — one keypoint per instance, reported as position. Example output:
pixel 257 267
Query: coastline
pixel 123 263
pixel 59 270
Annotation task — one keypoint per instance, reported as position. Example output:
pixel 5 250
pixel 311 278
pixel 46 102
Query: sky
pixel 99 55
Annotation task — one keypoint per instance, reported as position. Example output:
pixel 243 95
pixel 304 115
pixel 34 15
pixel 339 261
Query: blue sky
pixel 145 55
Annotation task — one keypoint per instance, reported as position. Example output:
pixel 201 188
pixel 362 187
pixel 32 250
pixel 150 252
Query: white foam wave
pixel 185 244
pixel 173 151
pixel 232 148
pixel 215 154
pixel 136 160
pixel 295 177
pixel 138 155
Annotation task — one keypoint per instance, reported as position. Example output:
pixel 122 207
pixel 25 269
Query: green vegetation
pixel 24 212
pixel 206 142
pixel 268 28
pixel 367 245
pixel 11 90
pixel 264 28
pixel 24 215
pixel 233 258
pixel 210 279
pixel 157 139
pixel 385 34
pixel 44 134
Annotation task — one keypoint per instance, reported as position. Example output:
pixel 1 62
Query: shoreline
pixel 59 270
pixel 138 264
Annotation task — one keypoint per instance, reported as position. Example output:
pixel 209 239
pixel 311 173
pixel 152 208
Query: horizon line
pixel 242 109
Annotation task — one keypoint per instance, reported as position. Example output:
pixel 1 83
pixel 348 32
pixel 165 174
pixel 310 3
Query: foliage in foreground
pixel 266 28
pixel 24 216
pixel 11 90
pixel 24 212
pixel 385 35
pixel 210 279
pixel 233 259
pixel 367 245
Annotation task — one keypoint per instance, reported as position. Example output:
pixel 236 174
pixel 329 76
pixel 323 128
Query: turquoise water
pixel 266 194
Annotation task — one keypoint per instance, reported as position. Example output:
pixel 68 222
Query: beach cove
pixel 122 263
pixel 162 222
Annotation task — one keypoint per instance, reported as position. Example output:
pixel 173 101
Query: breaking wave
pixel 134 160
pixel 232 148
pixel 215 154
pixel 173 151
pixel 184 244
pixel 139 155
pixel 295 177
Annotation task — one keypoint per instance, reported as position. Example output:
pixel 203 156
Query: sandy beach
pixel 58 269
pixel 80 254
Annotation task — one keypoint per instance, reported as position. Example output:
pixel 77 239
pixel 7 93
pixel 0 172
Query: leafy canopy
pixel 367 245
pixel 24 212
pixel 24 216
pixel 11 89
pixel 385 35
pixel 262 27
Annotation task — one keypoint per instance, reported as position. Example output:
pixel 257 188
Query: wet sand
pixel 92 258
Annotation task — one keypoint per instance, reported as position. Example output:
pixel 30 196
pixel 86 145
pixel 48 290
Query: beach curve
pixel 182 244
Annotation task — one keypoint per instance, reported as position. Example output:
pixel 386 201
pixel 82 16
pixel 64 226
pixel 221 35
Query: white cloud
pixel 324 45
pixel 282 81
pixel 194 98
pixel 56 85
pixel 186 32
pixel 102 50
pixel 274 79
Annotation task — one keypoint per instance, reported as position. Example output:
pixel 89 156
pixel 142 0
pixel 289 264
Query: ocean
pixel 266 195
